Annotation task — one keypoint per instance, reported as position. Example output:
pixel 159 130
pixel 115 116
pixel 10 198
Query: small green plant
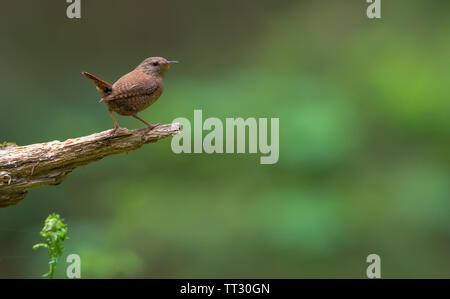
pixel 54 233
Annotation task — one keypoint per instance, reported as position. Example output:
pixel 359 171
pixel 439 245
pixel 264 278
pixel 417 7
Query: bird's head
pixel 156 66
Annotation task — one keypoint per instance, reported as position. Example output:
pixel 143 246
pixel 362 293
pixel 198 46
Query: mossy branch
pixel 26 167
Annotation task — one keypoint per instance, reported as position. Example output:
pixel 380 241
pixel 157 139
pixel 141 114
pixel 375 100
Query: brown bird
pixel 136 90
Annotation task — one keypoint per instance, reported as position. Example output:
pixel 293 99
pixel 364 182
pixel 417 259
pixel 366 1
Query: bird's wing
pixel 132 85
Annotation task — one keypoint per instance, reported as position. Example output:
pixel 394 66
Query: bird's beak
pixel 172 62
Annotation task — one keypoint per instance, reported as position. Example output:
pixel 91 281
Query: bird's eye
pixel 155 63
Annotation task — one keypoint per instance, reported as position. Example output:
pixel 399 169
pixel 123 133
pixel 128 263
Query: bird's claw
pixel 114 130
pixel 151 127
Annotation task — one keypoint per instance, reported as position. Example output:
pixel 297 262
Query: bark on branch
pixel 26 167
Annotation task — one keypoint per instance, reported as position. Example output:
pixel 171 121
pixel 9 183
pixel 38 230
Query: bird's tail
pixel 103 87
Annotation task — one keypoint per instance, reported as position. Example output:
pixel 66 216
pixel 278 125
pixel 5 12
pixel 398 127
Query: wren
pixel 134 91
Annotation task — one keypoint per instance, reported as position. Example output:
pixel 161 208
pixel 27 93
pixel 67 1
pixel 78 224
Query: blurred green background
pixel 364 138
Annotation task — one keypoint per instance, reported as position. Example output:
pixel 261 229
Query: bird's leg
pixel 114 120
pixel 149 126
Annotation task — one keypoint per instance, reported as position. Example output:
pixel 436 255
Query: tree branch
pixel 26 167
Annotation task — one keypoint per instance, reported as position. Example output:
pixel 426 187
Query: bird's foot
pixel 151 127
pixel 113 131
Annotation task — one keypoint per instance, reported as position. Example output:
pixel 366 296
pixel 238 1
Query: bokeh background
pixel 364 148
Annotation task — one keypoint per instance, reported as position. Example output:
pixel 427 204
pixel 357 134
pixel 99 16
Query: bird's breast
pixel 134 103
